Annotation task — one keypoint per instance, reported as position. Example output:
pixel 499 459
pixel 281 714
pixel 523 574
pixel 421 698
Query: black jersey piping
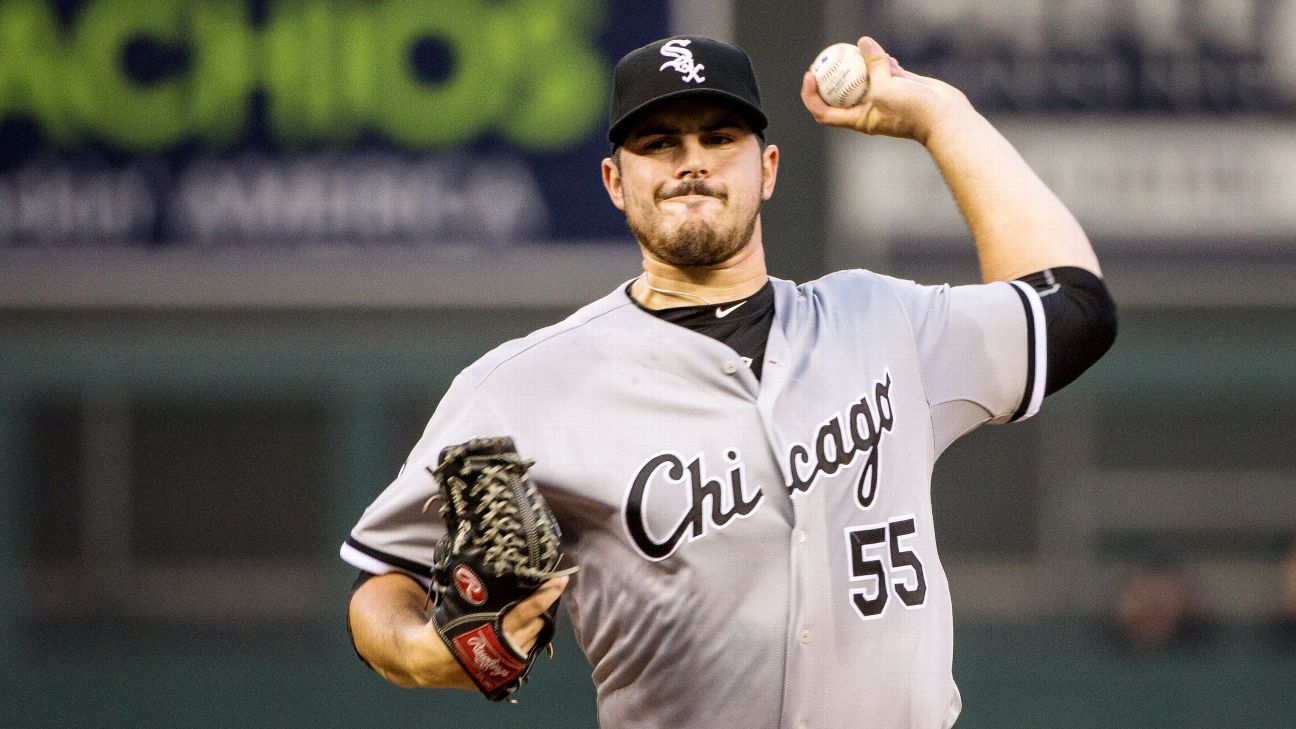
pixel 1029 393
pixel 391 559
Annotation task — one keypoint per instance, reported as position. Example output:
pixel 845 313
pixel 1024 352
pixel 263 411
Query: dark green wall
pixel 374 376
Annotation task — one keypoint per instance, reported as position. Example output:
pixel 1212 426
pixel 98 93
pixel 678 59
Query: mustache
pixel 692 187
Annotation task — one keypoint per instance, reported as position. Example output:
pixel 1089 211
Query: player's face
pixel 691 178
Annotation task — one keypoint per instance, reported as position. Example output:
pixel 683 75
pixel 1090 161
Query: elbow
pixel 1109 325
pixel 1103 323
pixel 1081 324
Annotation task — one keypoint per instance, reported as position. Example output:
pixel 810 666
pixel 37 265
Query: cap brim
pixel 754 116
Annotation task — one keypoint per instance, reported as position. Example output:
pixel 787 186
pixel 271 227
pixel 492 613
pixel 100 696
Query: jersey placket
pixel 776 374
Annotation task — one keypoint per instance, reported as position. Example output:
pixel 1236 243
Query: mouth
pixel 693 192
pixel 691 199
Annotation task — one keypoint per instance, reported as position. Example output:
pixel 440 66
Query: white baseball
pixel 842 75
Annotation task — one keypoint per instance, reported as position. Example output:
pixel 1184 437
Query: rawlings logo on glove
pixel 470 585
pixel 501 545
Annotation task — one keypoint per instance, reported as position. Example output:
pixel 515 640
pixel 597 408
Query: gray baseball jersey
pixel 752 553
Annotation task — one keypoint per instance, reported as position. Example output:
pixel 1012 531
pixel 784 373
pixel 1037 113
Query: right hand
pixel 392 628
pixel 437 667
pixel 899 103
pixel 523 622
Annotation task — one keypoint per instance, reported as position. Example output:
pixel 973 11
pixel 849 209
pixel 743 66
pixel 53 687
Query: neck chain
pixel 682 294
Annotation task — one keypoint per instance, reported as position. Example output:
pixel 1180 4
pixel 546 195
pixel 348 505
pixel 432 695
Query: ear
pixel 612 183
pixel 769 171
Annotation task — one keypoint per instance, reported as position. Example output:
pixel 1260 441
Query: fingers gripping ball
pixel 501 545
pixel 841 74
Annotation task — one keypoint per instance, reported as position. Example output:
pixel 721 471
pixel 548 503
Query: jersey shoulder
pixel 853 282
pixel 555 344
pixel 855 290
pixel 915 298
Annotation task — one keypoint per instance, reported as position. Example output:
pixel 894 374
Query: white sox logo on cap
pixel 641 79
pixel 682 60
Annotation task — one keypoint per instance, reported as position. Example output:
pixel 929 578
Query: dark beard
pixel 697 243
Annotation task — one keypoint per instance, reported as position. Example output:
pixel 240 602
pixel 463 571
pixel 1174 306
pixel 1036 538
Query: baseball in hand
pixel 841 74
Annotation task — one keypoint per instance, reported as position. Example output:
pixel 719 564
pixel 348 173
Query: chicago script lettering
pixel 706 500
pixel 839 441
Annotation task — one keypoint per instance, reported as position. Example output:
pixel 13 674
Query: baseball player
pixel 741 465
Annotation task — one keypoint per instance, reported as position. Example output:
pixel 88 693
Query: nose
pixel 693 160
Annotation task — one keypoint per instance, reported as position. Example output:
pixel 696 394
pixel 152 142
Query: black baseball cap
pixel 682 65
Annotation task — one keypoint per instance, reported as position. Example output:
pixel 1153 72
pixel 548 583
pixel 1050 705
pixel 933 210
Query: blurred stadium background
pixel 245 244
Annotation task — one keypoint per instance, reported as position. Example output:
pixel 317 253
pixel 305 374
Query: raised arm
pixel 1019 225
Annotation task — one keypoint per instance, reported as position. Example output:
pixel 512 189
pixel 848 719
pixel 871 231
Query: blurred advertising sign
pixel 1182 185
pixel 1164 124
pixel 266 123
pixel 1181 56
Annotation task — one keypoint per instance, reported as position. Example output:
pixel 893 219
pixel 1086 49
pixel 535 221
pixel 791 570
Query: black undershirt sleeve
pixel 361 578
pixel 1080 321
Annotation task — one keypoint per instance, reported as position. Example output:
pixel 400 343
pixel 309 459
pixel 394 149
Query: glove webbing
pixel 514 543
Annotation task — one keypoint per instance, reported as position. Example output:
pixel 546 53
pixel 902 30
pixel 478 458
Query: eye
pixel 719 138
pixel 656 144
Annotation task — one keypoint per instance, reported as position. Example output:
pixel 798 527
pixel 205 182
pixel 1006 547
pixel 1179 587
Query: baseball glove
pixel 501 544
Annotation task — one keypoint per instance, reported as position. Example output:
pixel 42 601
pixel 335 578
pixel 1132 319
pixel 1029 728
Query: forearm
pixel 1018 224
pixel 392 631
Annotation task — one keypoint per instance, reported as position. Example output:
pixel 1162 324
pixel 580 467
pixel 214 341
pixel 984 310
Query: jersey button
pixel 730 367
pixel 805 637
pixel 800 536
